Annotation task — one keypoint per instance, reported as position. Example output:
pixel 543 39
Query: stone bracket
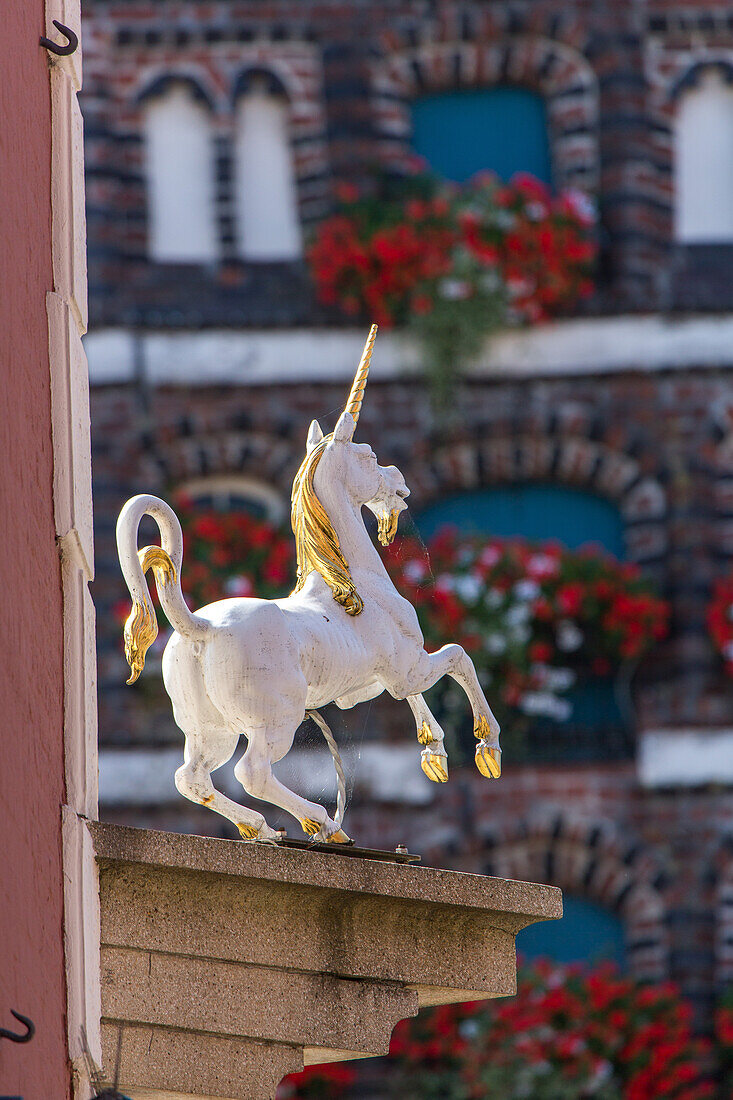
pixel 227 965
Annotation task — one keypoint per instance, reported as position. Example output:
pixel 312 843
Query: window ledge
pixel 685 758
pixel 260 356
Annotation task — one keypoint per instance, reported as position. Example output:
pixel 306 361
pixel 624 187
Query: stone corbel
pixel 227 965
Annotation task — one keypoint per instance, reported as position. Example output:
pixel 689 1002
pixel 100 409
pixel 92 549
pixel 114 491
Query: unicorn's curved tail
pixel 141 628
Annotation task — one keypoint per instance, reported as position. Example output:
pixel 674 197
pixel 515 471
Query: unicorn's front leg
pixel 452 660
pixel 434 759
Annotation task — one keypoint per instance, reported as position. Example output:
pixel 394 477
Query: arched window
pixel 180 177
pixel 268 225
pixel 502 129
pixel 704 161
pixel 587 933
pixel 235 493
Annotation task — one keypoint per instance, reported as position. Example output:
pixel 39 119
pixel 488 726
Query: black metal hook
pixel 30 1032
pixel 62 51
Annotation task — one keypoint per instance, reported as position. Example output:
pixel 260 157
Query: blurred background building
pixel 216 137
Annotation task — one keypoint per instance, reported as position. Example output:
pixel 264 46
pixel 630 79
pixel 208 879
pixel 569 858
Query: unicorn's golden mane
pixel 316 542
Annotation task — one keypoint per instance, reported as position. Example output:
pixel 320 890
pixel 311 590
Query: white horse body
pixel 254 667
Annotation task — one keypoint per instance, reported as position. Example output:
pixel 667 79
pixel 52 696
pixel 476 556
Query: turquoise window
pixel 534 511
pixel 588 933
pixel 503 129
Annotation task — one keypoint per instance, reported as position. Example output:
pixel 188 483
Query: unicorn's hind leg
pixel 254 772
pixel 193 781
pixel 433 759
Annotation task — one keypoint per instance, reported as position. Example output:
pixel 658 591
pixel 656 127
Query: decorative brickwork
pixel 658 443
pixel 724 915
pixel 720 453
pixel 145 64
pixel 590 859
pixel 566 459
pixel 558 72
pixel 610 85
pixel 683 47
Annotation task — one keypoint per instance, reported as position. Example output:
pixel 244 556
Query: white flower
pixel 415 571
pixel 569 637
pixel 540 566
pixel 468 587
pixel 489 556
pixel 601 1074
pixel 545 704
pixel 561 710
pixel 445 582
pixel 495 643
pixel 494 598
pixel 517 614
pixel 519 287
pixel 560 679
pixel 526 590
pixel 520 635
pixel 582 204
pixel 728 651
pixel 536 702
pixel 454 289
pixel 535 211
pixel 238 586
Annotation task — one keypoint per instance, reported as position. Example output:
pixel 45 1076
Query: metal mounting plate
pixel 385 856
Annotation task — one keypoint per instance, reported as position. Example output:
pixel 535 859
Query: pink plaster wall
pixel 32 977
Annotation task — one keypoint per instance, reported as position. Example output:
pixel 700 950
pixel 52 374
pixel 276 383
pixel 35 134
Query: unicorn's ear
pixel 315 435
pixel 344 430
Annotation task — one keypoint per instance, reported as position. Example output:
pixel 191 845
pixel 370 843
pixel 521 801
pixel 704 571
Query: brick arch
pixel 557 71
pixel 576 460
pixel 722 64
pixel 723 875
pixel 250 76
pixel 718 455
pixel 165 80
pixel 262 456
pixel 670 73
pixel 595 860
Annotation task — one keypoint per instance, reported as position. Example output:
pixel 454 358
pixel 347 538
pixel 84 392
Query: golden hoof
pixel 488 760
pixel 248 832
pixel 309 826
pixel 481 729
pixel 339 837
pixel 424 735
pixel 435 765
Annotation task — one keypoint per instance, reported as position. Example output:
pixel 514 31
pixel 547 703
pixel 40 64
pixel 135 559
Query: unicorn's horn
pixel 353 405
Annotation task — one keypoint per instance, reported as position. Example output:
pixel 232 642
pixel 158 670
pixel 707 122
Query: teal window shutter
pixel 502 129
pixel 588 933
pixel 532 511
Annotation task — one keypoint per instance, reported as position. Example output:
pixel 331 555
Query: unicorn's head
pixel 338 460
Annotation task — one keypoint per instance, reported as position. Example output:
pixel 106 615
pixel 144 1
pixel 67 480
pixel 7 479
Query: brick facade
pixel 658 443
pixel 609 77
